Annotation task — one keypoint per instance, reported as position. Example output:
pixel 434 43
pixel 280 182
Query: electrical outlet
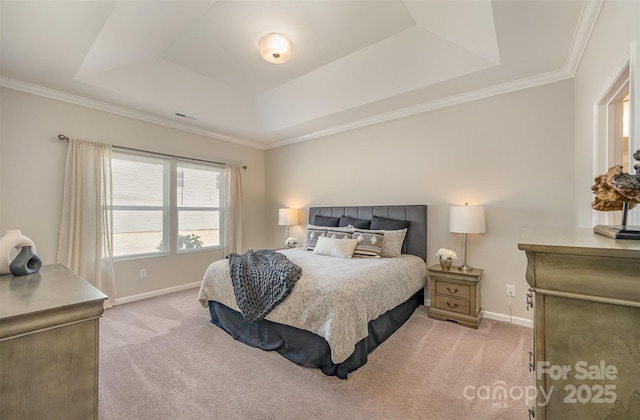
pixel 143 273
pixel 511 290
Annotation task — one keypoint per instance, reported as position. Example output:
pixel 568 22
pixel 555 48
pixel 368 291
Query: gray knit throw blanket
pixel 261 280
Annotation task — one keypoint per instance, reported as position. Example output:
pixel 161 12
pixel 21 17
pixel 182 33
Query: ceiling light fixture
pixel 275 48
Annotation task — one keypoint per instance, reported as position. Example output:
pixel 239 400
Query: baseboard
pixel 500 317
pixel 524 322
pixel 155 293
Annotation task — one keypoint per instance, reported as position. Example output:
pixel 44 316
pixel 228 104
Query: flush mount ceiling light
pixel 275 48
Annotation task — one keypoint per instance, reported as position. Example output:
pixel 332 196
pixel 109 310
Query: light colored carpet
pixel 161 358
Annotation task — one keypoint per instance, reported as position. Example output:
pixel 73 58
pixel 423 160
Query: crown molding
pixel 118 110
pixel 405 112
pixel 500 89
pixel 588 18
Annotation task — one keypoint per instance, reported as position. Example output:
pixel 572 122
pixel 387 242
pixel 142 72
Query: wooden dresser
pixel 586 298
pixel 49 324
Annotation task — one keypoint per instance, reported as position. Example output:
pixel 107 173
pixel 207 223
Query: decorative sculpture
pixel 10 245
pixel 617 190
pixel 26 262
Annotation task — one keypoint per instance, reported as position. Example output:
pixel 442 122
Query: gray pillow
pixel 339 234
pixel 385 223
pixel 356 223
pixel 326 221
pixel 313 233
pixel 369 243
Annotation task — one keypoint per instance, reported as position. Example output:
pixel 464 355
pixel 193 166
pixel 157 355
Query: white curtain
pixel 233 210
pixel 85 243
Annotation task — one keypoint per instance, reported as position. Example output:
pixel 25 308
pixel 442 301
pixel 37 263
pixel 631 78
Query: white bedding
pixel 335 297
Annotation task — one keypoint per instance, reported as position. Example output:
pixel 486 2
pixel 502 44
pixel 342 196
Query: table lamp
pixel 466 219
pixel 287 217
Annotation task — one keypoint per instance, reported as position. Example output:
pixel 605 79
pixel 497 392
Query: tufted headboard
pixel 415 242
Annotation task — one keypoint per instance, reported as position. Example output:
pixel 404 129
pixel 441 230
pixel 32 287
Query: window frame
pixel 165 208
pixel 220 209
pixel 170 208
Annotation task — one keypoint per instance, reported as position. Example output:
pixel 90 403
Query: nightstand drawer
pixel 459 291
pixel 452 304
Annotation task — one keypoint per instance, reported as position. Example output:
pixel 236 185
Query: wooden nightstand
pixel 455 295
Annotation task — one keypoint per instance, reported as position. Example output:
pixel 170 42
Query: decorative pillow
pixel 369 243
pixel 339 233
pixel 332 247
pixel 326 221
pixel 356 223
pixel 313 233
pixel 378 223
pixel 392 244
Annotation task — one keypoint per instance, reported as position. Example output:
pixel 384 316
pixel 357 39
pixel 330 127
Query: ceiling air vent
pixel 178 114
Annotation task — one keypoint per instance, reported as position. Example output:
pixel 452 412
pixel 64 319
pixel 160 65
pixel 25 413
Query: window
pixel 164 205
pixel 140 204
pixel 198 205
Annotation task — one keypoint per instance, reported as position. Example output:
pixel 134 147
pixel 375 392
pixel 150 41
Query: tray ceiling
pixel 353 63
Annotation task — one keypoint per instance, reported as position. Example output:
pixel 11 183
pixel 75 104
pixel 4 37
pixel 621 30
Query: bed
pixel 330 320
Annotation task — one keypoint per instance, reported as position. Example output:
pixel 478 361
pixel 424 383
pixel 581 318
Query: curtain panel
pixel 233 210
pixel 85 243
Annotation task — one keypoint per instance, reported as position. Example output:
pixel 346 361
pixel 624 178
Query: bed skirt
pixel 306 348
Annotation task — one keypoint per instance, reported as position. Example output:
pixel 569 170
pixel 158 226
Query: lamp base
pixel 465 268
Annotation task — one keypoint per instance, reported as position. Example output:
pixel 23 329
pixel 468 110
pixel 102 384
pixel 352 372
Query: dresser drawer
pixel 460 291
pixel 453 304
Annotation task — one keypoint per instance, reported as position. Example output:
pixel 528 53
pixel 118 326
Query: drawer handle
pixel 454 290
pixel 455 305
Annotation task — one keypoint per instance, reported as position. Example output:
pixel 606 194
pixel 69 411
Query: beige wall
pixel 512 153
pixel 32 174
pixel 528 156
pixel 617 27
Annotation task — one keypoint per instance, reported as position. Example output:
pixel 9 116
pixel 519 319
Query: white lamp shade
pixel 288 217
pixel 275 48
pixel 467 219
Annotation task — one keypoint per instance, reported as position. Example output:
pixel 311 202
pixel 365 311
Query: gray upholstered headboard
pixel 415 242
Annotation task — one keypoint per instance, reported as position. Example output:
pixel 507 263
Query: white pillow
pixel 332 247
